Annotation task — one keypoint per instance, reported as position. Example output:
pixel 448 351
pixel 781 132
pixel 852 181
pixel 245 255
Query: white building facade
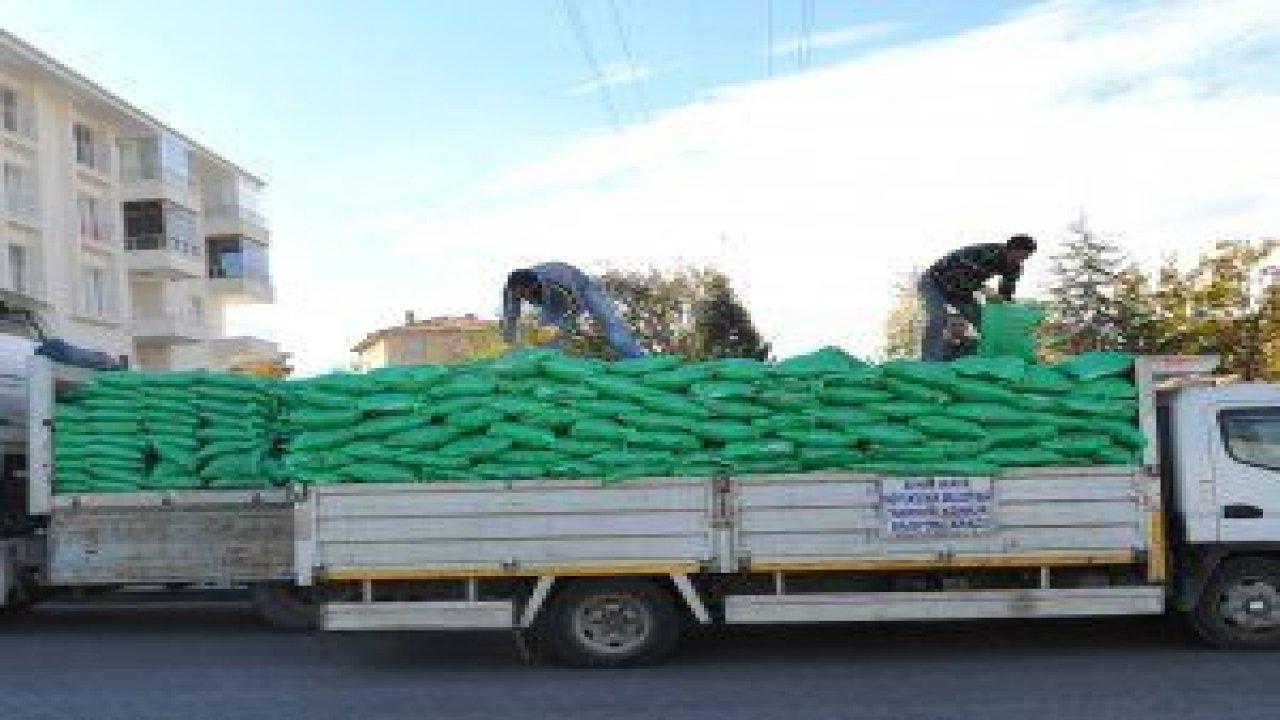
pixel 116 232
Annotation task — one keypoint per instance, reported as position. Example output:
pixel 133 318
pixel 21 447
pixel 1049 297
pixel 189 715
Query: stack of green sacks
pixel 167 431
pixel 539 414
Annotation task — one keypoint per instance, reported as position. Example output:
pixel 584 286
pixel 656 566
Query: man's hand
pixel 992 296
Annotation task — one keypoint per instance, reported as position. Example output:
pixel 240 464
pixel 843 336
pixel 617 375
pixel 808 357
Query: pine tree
pixel 1083 304
pixel 722 325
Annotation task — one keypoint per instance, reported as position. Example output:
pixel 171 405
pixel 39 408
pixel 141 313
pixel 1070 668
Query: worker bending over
pixel 957 277
pixel 562 291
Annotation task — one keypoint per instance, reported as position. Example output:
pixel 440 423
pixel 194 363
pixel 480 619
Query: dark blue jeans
pixel 933 346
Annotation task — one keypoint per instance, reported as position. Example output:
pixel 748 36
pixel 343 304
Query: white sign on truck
pixel 937 506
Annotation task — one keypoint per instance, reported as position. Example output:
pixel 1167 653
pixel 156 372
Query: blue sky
pixel 416 150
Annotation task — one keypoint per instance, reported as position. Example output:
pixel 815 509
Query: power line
pixel 584 42
pixel 632 68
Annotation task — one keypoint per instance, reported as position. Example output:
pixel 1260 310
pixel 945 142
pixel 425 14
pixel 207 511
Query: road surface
pixel 215 662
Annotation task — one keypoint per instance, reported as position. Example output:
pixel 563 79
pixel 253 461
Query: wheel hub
pixel 614 624
pixel 1253 605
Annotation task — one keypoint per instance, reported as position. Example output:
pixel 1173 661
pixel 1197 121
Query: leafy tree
pixel 904 327
pixel 722 326
pixel 1084 309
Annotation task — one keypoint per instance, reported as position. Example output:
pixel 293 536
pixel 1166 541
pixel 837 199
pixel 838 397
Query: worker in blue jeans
pixel 561 292
pixel 956 279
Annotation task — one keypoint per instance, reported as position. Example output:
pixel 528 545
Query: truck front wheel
pixel 609 624
pixel 1240 607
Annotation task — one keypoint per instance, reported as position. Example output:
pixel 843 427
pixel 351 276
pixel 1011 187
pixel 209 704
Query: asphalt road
pixel 214 662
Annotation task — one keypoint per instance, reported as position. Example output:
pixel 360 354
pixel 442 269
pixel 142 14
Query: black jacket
pixel 961 273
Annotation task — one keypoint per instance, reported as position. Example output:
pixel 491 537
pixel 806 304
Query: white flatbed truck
pixel 602 574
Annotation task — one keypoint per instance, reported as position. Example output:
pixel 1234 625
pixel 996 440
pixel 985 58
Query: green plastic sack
pixel 672 404
pixel 933 452
pixel 982 391
pixel 229 447
pixel 777 423
pixel 557 392
pixel 615 473
pixel 371 450
pixel 1041 379
pixel 1082 405
pixel 646 365
pixel 387 403
pixel 1037 403
pixel 554 418
pixel 1009 330
pixel 321 400
pixel 323 419
pixel 725 430
pixel 1098 364
pixel 1022 457
pixel 829 458
pixel 1076 444
pixel 411 378
pixel 439 409
pixel 866 376
pixel 948 427
pixel 605 408
pixel 575 469
pixel 464 386
pixel 236 435
pixel 1000 369
pixel 1063 421
pixel 778 466
pixel 986 413
pixel 787 400
pixel 827 361
pixel 1117 456
pixel 903 410
pixel 1125 434
pixel 617 388
pixel 890 434
pixel 935 374
pixel 1021 436
pixel 497 470
pixel 964 468
pixel 601 430
pixel 476 448
pixel 843 417
pixel 687 468
pixel 1111 388
pixel 610 458
pixel 913 392
pixel 426 437
pixel 723 390
pixel 226 467
pixel 570 370
pixel 678 378
pixel 518 456
pixel 734 410
pixel 473 420
pixel 578 447
pixel 525 436
pixel 758 450
pixel 855 395
pixel 739 369
pixel 524 363
pixel 651 421
pixel 661 440
pixel 380 472
pixel 515 405
pixel 380 427
pixel 818 438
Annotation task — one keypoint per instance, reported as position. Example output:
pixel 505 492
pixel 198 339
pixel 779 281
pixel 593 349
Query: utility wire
pixel 636 80
pixel 584 42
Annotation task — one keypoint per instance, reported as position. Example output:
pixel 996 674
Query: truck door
pixel 1246 460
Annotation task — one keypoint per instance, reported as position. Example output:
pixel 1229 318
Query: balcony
pixel 163 257
pixel 160 186
pixel 238 270
pixel 18 125
pixel 221 219
pixel 94 161
pixel 22 208
pixel 159 329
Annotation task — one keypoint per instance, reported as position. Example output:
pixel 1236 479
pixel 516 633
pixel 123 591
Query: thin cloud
pixel 615 75
pixel 852 35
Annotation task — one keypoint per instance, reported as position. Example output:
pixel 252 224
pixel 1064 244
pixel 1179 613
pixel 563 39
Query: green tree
pixel 904 326
pixel 691 311
pixel 1084 310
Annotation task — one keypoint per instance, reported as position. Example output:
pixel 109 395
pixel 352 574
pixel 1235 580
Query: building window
pixel 95 219
pixel 98 299
pixel 161 225
pixel 19 191
pixel 237 257
pixel 18 269
pixel 91 151
pixel 9 108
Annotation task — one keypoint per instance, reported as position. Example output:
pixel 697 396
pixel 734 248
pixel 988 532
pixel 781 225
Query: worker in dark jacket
pixel 561 292
pixel 959 276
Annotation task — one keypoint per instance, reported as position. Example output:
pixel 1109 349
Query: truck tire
pixel 285 606
pixel 609 624
pixel 1240 605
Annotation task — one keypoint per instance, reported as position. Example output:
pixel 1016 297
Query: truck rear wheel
pixel 1240 607
pixel 285 606
pixel 609 624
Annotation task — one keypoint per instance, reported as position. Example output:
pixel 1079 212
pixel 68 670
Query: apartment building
pixel 119 233
pixel 436 341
